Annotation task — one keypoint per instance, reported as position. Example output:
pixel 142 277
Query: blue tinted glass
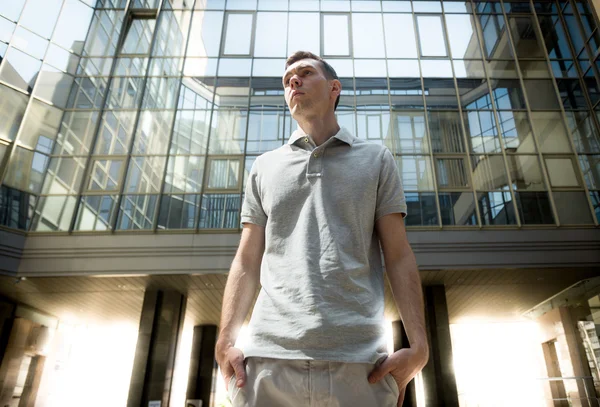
pixel 422 210
pixel 496 208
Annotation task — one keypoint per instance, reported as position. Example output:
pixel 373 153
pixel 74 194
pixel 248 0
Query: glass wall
pixel 148 115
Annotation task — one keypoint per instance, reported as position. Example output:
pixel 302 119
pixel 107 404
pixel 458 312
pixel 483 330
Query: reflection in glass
pixel 572 208
pixel 526 173
pixel 525 38
pixel 474 94
pixel 29 42
pixel 590 167
pixel 445 132
pixel 75 135
pixel 368 46
pixel 304 33
pixel 19 69
pixel 435 68
pixel 64 175
pixel 462 36
pixel 516 132
pixel 482 131
pixel 451 173
pixel 336 35
pixel 54 213
pixel 153 132
pixel 40 16
pixel 228 132
pixel 409 133
pixel 271 29
pixel 115 133
pixel 534 69
pixel 406 93
pixel 205 34
pixel 416 172
pixel 400 26
pixel 457 208
pixel 489 173
pixel 73 25
pixel 431 36
pixel 496 208
pixel 561 172
pixel 534 208
pixel 541 94
pixel 440 93
pixel 16 208
pixel 595 198
pixel 145 174
pixel 402 68
pixel 369 68
pixel 468 69
pixel 53 86
pixel 551 132
pixel 265 131
pixel 421 209
pixel 373 126
pixel 220 211
pixel 585 136
pixel 26 169
pixel 501 69
pixel 137 212
pixel 104 175
pixel 494 38
pixel 139 37
pixel 178 211
pixel 40 125
pixel 234 67
pixel 12 109
pixel 239 34
pixel 224 173
pixel 372 93
pixel 12 9
pixel 422 6
pixel 268 92
pixel 184 174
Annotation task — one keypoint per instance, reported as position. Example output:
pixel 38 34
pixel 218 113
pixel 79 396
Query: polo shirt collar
pixel 342 135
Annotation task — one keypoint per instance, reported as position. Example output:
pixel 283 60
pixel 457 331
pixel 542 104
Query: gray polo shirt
pixel 321 274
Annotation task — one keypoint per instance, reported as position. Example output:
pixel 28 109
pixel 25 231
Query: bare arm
pixel 242 283
pixel 405 281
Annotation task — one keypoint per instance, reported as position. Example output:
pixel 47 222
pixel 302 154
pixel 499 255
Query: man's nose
pixel 295 82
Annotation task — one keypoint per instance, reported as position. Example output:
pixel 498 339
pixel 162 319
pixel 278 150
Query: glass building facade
pixel 148 114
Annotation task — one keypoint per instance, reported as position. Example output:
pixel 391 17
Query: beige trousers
pixel 308 383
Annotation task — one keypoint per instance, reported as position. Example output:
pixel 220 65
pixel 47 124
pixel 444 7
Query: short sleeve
pixel 390 194
pixel 252 209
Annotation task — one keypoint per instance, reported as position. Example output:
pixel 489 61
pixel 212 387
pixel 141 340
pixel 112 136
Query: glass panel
pixel 406 93
pixel 409 133
pixel 573 28
pixel 178 211
pixel 64 175
pixel 145 174
pixel 445 132
pixel 373 126
pixel 272 5
pixel 534 208
pixel 372 93
pixel 369 68
pixel 482 131
pixel 104 175
pixel 76 133
pixel 270 38
pixel 265 131
pixel 554 37
pixel 541 94
pixel 268 92
pixel 125 93
pixel 220 211
pixel 190 134
pixel 20 69
pixel 73 25
pixel 29 42
pixel 501 69
pixel 571 94
pixel 12 109
pixel 304 5
pixel 584 132
pixel 458 208
pixel 137 212
pixel 224 174
pixel 595 198
pixel 184 174
pixel 431 34
pixel 421 209
pixel 551 132
pixel 435 68
pixel 40 127
pixel 489 173
pixel 474 94
pixel 496 208
pixel 139 37
pixel 54 213
pixel 440 93
pixel 16 208
pixel 228 132
pixel 235 67
pixel 232 92
pixel 494 38
pixel 398 6
pixel 40 16
pixel 452 173
pixel 367 46
pixel 241 5
pixel 525 38
pixel 403 68
pixel 26 170
pixel 53 86
pixel 416 172
pixel 400 26
pixel 590 166
pixel 561 172
pixel 508 94
pixel 153 132
pixel 96 212
pixel 12 9
pixel 516 132
pixel 421 6
pixel 462 36
pixel 335 35
pixel 239 34
pixel 572 208
pixel 205 34
pixel 304 33
pixel 534 69
pixel 115 133
pixel 335 5
pixel 526 173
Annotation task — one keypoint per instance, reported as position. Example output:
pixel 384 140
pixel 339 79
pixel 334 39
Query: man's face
pixel 306 87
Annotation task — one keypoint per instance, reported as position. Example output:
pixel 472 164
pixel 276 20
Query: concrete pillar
pixel 32 384
pixel 13 357
pixel 203 365
pixel 161 324
pixel 401 341
pixel 7 314
pixel 438 375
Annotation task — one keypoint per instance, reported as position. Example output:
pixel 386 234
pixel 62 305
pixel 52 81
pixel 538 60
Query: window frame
pixel 444 35
pixel 206 179
pixel 224 32
pixel 350 42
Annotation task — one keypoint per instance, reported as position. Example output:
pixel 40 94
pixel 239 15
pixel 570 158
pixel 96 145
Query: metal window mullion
pixel 178 93
pixel 533 130
pixel 564 117
pixel 498 127
pixel 427 133
pixel 142 90
pixel 586 46
pixel 243 163
pixel 461 118
pixel 393 123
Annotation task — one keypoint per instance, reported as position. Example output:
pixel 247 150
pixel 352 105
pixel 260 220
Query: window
pixel 304 33
pixel 368 46
pixel 271 31
pixel 431 36
pixel 224 174
pixel 238 34
pixel 400 26
pixel 336 39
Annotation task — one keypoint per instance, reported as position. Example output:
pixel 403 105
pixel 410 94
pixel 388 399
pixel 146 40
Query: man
pixel 315 213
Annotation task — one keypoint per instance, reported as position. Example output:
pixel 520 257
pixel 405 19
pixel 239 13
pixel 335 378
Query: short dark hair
pixel 330 73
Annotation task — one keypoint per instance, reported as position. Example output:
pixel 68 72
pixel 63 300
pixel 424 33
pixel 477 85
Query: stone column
pixel 438 375
pixel 161 324
pixel 203 365
pixel 13 357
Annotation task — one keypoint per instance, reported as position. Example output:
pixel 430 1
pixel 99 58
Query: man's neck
pixel 320 129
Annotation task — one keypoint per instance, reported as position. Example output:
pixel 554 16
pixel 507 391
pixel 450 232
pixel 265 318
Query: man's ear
pixel 336 86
